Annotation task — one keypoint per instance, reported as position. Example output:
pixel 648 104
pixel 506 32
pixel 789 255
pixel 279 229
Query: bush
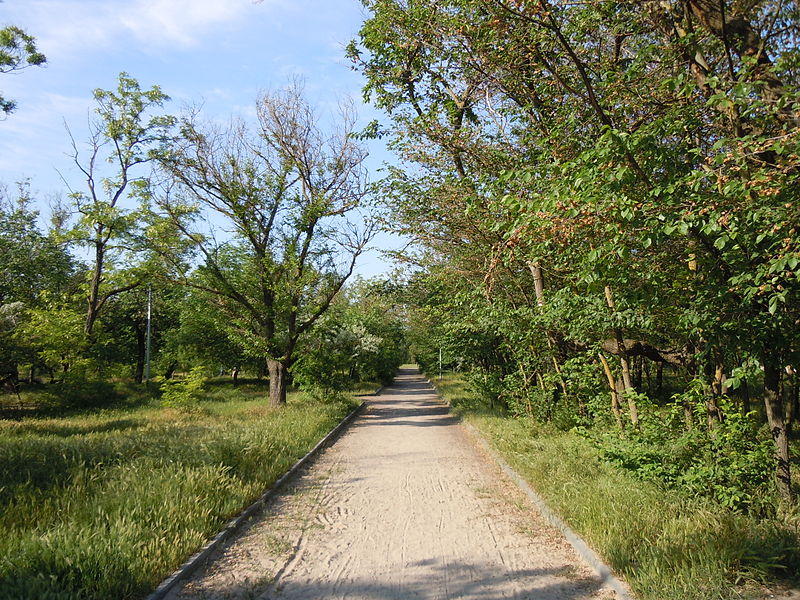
pixel 668 546
pixel 184 394
pixel 731 463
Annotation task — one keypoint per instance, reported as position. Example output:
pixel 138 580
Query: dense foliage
pixel 667 545
pixel 605 194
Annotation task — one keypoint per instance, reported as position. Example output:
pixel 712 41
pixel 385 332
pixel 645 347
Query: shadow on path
pixel 394 407
pixel 424 579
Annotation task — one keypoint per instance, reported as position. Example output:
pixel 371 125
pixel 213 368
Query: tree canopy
pixel 289 196
pixel 617 179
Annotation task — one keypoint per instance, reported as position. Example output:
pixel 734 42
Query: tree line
pixel 229 244
pixel 605 200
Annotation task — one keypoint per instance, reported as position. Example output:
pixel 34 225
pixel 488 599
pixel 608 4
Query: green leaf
pixel 773 305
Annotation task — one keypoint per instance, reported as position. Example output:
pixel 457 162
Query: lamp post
pixel 147 336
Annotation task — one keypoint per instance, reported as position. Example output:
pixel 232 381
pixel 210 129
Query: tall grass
pixel 667 546
pixel 106 505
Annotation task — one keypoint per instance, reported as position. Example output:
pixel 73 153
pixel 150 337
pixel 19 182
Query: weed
pixel 668 545
pixel 105 505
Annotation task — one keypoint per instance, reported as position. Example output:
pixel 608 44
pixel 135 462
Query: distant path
pixel 402 506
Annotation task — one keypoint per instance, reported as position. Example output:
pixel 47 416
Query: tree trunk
pixel 660 376
pixel 10 376
pixel 278 378
pixel 538 283
pixel 612 384
pixel 170 370
pixel 93 300
pixel 688 415
pixel 790 393
pixel 795 402
pixel 637 372
pixel 538 286
pixel 623 361
pixel 745 393
pixel 712 389
pixel 773 403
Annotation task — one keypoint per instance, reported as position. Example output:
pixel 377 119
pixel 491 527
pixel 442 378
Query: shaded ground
pixel 402 506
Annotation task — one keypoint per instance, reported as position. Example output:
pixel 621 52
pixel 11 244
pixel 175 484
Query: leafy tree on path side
pixel 637 159
pixel 33 267
pixel 289 195
pixel 32 261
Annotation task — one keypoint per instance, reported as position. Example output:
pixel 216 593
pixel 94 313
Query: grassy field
pixel 106 503
pixel 668 547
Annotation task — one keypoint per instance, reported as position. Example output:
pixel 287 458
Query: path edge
pixel 198 558
pixel 586 553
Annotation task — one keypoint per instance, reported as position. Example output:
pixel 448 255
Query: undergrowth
pixel 105 505
pixel 668 545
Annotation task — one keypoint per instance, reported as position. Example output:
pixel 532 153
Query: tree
pixel 32 261
pixel 127 136
pixel 126 325
pixel 34 266
pixel 360 338
pixel 201 336
pixel 621 173
pixel 17 51
pixel 289 195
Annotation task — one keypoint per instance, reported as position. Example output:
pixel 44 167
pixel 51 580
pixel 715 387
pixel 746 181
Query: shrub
pixel 184 394
pixel 731 463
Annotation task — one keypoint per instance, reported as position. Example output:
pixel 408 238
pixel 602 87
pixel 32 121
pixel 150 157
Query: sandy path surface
pixel 402 506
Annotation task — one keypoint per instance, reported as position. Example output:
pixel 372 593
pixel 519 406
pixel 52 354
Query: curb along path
pixel 403 505
pixel 196 561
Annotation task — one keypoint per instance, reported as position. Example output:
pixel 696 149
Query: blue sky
pixel 221 53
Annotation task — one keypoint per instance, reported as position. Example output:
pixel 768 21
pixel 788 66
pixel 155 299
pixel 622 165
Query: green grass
pixel 365 388
pixel 665 545
pixel 106 504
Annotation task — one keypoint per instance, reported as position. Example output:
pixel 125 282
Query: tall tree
pixel 127 133
pixel 32 261
pixel 632 163
pixel 33 267
pixel 290 196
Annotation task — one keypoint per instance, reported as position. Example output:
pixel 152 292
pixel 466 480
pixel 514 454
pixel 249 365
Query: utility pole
pixel 147 336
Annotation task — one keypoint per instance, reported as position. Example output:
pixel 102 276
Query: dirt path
pixel 402 506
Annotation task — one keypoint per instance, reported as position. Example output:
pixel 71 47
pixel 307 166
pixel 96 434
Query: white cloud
pixel 182 22
pixel 63 28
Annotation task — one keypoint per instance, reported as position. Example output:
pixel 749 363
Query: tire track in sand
pixel 402 506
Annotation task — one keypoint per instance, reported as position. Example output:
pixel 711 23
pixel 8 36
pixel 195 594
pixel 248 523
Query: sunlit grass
pixel 667 546
pixel 365 388
pixel 104 505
